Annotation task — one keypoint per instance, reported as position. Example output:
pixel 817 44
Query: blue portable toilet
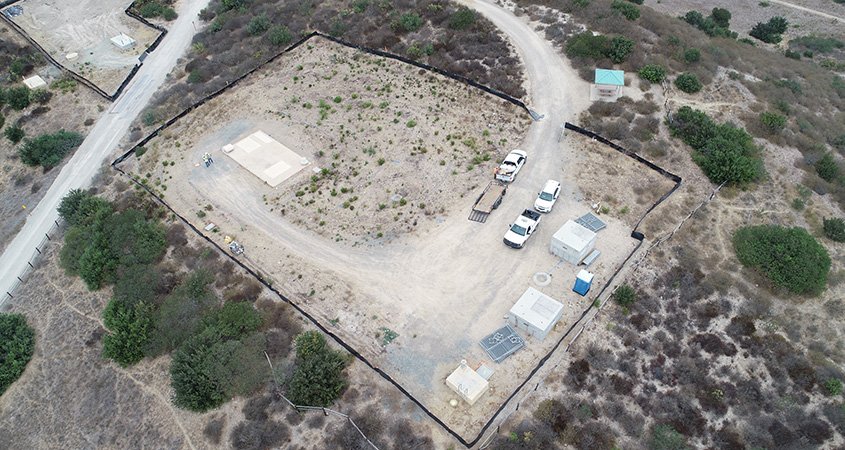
pixel 583 282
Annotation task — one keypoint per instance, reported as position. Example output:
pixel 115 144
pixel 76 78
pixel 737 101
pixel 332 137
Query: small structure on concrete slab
pixel 502 343
pixel 467 383
pixel 35 82
pixel 573 242
pixel 265 157
pixel 123 41
pixel 535 313
pixel 607 84
pixel 583 283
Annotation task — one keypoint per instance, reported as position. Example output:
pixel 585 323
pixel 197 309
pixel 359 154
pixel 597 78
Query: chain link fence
pixel 53 233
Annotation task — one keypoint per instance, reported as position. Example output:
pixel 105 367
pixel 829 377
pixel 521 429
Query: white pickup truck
pixel 522 228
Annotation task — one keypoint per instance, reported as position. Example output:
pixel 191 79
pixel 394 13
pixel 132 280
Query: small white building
pixel 123 42
pixel 573 242
pixel 35 82
pixel 535 313
pixel 467 383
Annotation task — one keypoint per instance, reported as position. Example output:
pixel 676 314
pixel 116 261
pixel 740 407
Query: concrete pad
pixel 266 158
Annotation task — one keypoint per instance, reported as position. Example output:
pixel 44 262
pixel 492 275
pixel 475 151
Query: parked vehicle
pixel 522 229
pixel 547 197
pixel 507 171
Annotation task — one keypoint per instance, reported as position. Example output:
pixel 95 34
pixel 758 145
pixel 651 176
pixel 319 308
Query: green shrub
pixel 770 32
pixel 17 342
pixel 2 120
pixel 48 150
pixel 654 73
pixel 462 19
pixel 258 25
pixel 772 122
pixel 620 48
pixel 279 35
pixel 168 13
pixel 14 133
pixel 827 168
pixel 833 387
pixel 688 83
pixel 18 97
pixel 318 378
pixel 129 329
pixel 409 22
pixel 818 44
pixel 716 24
pixel 721 17
pixel 625 295
pixel 627 10
pixel 664 437
pixel 692 55
pixel 586 45
pixel 834 229
pixel 792 55
pixel 789 257
pixel 40 96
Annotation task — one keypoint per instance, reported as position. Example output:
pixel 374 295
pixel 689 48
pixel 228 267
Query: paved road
pixel 100 143
pixel 805 9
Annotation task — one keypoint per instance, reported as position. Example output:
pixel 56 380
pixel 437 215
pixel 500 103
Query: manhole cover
pixel 542 278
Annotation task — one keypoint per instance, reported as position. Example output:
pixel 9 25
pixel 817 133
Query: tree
pixel 688 83
pixel 17 343
pixel 722 17
pixel 654 73
pixel 48 150
pixel 770 32
pixel 234 319
pixel 834 229
pixel 620 48
pixel 14 133
pixel 625 295
pixel 81 208
pixel 129 330
pixel 279 35
pixel 789 257
pixel 462 19
pixel 827 168
pixel 318 378
pixel 18 97
pixel 137 284
pixel 190 374
pixel 693 127
pixel 135 240
pixel 772 121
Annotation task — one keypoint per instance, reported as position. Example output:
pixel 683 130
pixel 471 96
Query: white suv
pixel 547 197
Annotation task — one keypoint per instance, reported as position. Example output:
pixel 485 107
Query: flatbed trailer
pixel 489 200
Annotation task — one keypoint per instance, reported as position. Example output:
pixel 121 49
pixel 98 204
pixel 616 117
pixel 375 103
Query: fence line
pixel 325 411
pixel 54 231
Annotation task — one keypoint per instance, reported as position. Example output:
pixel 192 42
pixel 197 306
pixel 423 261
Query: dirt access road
pixel 100 143
pixel 812 11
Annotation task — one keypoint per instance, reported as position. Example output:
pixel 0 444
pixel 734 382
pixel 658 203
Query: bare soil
pixel 86 28
pixel 22 186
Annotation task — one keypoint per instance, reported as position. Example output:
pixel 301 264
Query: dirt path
pixel 805 9
pixel 99 145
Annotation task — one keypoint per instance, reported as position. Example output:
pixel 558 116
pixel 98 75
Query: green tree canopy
pixel 318 378
pixel 129 330
pixel 790 257
pixel 48 150
pixel 17 343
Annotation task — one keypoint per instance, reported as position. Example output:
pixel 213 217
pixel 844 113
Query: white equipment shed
pixel 535 313
pixel 35 82
pixel 467 383
pixel 573 242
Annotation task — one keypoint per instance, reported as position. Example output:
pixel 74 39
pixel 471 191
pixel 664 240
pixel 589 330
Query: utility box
pixel 467 383
pixel 535 313
pixel 573 242
pixel 123 42
pixel 583 283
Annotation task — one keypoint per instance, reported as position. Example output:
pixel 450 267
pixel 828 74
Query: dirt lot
pixel 303 238
pixel 86 28
pixel 22 186
pixel 744 15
